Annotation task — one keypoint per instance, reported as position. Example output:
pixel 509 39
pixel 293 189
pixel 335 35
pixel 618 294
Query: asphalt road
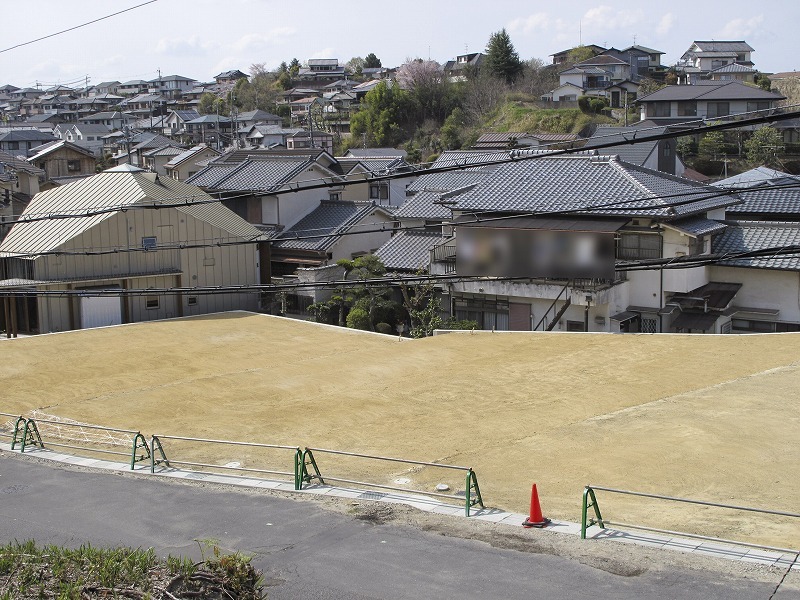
pixel 307 551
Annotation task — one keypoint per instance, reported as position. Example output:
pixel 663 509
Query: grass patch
pixel 28 571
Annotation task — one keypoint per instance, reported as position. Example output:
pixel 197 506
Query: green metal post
pixel 298 470
pixel 467 494
pixel 137 438
pixel 588 492
pixel 472 486
pixel 308 459
pixel 156 443
pixel 16 431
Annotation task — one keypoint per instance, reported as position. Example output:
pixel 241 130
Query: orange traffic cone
pixel 535 519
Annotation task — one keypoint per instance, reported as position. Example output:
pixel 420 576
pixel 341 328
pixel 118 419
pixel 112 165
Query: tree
pixel 355 65
pixel 502 60
pixel 452 129
pixel 578 54
pixel 294 67
pixel 712 145
pixel 212 104
pixel 382 116
pixel 648 86
pixel 372 62
pixel 764 146
pixel 764 82
pixel 433 95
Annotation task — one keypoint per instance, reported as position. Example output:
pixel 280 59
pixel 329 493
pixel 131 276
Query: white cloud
pixel 325 53
pixel 740 28
pixel 538 21
pixel 665 24
pixel 190 46
pixel 257 41
pixel 605 18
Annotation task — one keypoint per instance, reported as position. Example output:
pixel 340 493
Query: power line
pixel 77 26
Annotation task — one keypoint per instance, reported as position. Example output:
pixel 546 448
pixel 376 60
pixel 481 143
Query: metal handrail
pixel 155 445
pixel 553 305
pixel 472 495
pixel 589 494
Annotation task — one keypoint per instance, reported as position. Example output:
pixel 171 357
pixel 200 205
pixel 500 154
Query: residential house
pixel 456 70
pixel 90 257
pixel 86 135
pixel 132 150
pixel 171 86
pixel 63 159
pixel 643 61
pixel 336 229
pixel 257 116
pixel 581 217
pixel 658 155
pixel 19 182
pixel 145 105
pixel 175 122
pixel 156 159
pixel 705 100
pixel 321 71
pixel 702 57
pixel 265 136
pixel 133 87
pixel 310 139
pixel 113 120
pixel 19 142
pixel 733 72
pixel 603 75
pixel 230 77
pixel 189 162
pixel 214 130
pixel 104 88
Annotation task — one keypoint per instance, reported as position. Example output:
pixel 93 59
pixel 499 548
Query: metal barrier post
pixel 298 470
pixel 136 439
pixel 308 459
pixel 31 434
pixel 585 504
pixel 156 443
pixel 471 487
pixel 14 441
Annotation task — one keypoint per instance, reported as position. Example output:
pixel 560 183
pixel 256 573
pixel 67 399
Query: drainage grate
pixel 372 496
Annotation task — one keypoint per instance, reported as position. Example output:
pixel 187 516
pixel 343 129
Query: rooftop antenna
pixel 634 39
pixel 580 32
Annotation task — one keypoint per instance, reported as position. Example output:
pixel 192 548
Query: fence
pixel 472 492
pixel 37 430
pixel 157 446
pixel 589 494
pixel 9 429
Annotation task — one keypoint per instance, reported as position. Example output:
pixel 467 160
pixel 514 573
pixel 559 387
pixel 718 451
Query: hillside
pixel 517 115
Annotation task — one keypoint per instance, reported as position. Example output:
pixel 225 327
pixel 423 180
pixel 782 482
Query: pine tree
pixel 502 60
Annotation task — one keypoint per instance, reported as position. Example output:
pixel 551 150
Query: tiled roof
pixel 698 226
pixel 710 90
pixel 11 162
pixel 263 175
pixel 409 250
pixel 748 236
pixel 723 46
pixel 602 59
pixel 554 184
pixel 465 158
pixel 164 151
pixel 329 220
pixel 733 68
pixel 370 152
pixel 756 177
pixel 422 206
pixel 187 154
pixel 450 180
pixel 768 200
pixel 637 153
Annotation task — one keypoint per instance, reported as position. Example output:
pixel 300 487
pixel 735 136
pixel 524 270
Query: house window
pixel 151 302
pixel 149 242
pixel 73 165
pixel 658 109
pixel 334 196
pixel 13 145
pixel 638 246
pixel 575 326
pixel 754 106
pixel 192 301
pixel 687 108
pixel 697 245
pixel 718 109
pixel 379 191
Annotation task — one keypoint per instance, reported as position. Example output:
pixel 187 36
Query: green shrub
pixel 384 328
pixel 358 318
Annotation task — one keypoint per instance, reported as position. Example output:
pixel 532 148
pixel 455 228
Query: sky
pixel 200 38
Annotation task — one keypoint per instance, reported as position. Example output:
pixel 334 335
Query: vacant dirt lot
pixel 708 417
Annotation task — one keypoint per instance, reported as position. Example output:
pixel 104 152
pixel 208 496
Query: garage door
pixel 100 311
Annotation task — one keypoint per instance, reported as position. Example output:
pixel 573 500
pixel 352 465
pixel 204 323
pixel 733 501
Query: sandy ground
pixel 707 417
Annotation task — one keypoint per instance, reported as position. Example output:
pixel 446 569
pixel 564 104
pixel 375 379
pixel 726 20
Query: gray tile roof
pixel 466 158
pixel 766 201
pixel 450 180
pixel 757 177
pixel 723 46
pixel 382 152
pixel 422 206
pixel 748 236
pixel 556 184
pixel 698 226
pixel 409 250
pixel 710 90
pixel 734 68
pixel 329 220
pixel 261 174
pixel 637 153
